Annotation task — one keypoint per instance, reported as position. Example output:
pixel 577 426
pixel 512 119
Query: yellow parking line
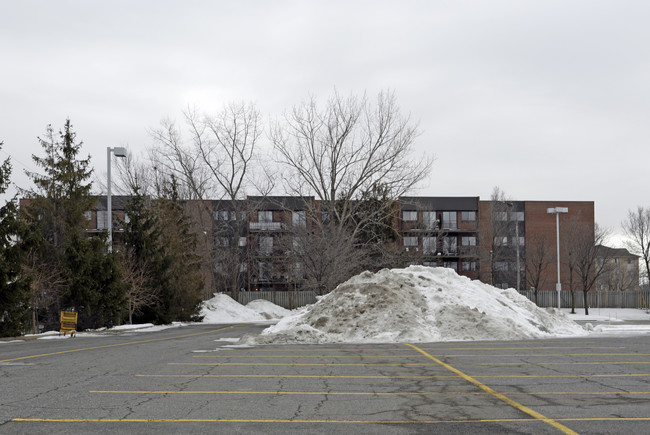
pixel 292 393
pixel 374 393
pixel 538 355
pixel 498 395
pixel 305 356
pixel 305 348
pixel 240 354
pixel 300 364
pixel 564 376
pixel 395 377
pixel 573 363
pixel 241 420
pixel 114 345
pixel 521 347
pixel 296 376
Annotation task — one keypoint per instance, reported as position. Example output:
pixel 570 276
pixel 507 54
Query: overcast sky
pixel 549 100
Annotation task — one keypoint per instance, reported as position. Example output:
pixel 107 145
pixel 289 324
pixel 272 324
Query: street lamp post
pixel 119 152
pixel 556 211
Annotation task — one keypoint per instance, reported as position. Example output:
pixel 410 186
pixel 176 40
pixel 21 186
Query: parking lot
pixel 188 380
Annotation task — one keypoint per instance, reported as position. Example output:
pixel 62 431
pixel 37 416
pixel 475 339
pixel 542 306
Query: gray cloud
pixel 547 99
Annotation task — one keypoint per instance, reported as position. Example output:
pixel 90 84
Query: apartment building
pixel 519 241
pixel 245 243
pixel 443 230
pixel 273 222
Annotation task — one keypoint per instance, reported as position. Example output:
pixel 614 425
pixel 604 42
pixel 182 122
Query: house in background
pixel 621 269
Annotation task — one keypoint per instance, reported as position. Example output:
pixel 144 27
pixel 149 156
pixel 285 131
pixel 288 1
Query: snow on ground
pixel 613 321
pixel 268 309
pixel 609 314
pixel 224 309
pixel 417 304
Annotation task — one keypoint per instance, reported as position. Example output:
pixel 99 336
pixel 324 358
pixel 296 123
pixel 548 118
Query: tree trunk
pixel 586 305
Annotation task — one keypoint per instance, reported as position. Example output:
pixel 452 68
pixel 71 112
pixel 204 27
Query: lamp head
pixel 119 151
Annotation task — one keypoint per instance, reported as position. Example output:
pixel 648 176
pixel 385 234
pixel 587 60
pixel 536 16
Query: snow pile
pixel 418 304
pixel 268 309
pixel 224 309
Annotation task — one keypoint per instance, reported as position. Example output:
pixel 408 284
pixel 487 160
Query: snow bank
pixel 417 304
pixel 224 309
pixel 268 309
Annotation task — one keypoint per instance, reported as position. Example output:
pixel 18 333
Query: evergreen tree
pixel 143 248
pixel 91 280
pixel 179 281
pixel 158 239
pixel 14 286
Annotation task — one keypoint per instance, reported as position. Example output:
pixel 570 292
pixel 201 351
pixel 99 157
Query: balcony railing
pixel 267 226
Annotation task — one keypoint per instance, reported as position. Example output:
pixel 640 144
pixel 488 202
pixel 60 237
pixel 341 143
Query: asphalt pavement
pixel 194 380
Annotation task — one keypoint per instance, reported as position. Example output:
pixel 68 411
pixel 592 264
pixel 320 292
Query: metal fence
pixel 287 299
pixel 545 298
pixel 595 299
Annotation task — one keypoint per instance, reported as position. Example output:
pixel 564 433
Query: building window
pixel 450 245
pixel 299 219
pixel 102 219
pixel 450 265
pixel 501 241
pixel 409 216
pixel 517 216
pixel 501 266
pixel 429 245
pixel 266 245
pixel 429 220
pixel 242 241
pixel 262 271
pixel 468 216
pixel 88 215
pixel 222 241
pixel 468 241
pixel 410 241
pixel 469 266
pixel 449 220
pixel 501 216
pixel 265 216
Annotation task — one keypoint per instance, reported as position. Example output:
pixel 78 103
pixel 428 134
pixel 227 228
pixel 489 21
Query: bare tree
pixel 323 258
pixel 339 150
pixel 572 252
pixel 171 156
pixel 139 293
pixel 590 265
pixel 502 239
pixel 539 254
pixel 46 284
pixel 135 175
pixel 215 162
pixel 637 229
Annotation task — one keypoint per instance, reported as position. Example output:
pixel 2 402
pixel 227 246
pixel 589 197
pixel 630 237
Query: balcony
pixel 266 226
